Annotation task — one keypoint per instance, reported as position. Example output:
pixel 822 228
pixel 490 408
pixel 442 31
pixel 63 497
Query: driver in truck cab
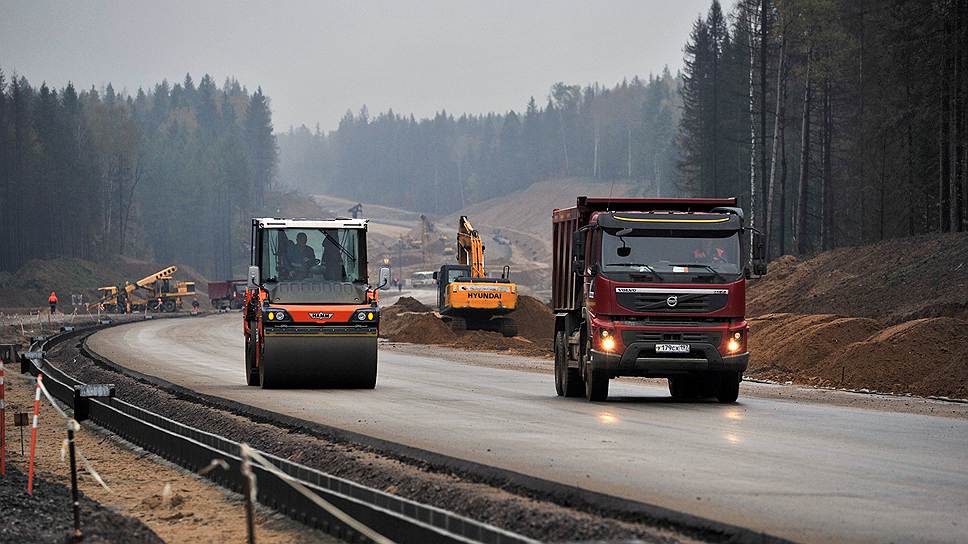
pixel 706 253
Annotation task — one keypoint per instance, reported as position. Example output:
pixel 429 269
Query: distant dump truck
pixel 652 287
pixel 225 295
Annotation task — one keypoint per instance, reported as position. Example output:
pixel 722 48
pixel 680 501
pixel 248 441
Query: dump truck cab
pixel 311 317
pixel 652 287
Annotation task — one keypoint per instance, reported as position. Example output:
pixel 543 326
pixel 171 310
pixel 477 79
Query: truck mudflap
pixel 316 357
pixel 640 359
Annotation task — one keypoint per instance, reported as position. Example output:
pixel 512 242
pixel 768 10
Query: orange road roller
pixel 311 318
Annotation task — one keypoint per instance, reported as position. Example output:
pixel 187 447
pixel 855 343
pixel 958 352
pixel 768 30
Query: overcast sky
pixel 316 59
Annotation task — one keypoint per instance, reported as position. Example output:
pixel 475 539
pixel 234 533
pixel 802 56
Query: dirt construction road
pixel 806 471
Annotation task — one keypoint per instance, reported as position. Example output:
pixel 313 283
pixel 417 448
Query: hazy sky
pixel 316 59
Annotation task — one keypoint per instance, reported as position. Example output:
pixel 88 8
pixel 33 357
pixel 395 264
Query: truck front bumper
pixel 640 359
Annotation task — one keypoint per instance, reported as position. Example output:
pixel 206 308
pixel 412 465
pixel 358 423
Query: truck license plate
pixel 672 348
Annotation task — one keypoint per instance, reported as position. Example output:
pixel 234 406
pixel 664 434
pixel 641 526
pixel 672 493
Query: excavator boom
pixel 470 248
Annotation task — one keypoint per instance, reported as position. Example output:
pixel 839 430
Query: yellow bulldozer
pixel 158 292
pixel 467 297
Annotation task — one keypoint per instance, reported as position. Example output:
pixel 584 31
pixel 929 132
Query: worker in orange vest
pixel 52 299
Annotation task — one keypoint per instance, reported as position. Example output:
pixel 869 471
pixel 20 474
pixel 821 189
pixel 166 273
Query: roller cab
pixel 311 318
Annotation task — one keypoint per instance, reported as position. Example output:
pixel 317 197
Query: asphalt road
pixel 806 471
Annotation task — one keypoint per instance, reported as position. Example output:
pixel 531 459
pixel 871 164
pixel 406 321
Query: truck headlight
pixel 608 343
pixel 735 342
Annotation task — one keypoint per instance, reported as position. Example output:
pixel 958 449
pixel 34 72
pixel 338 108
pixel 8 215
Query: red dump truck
pixel 652 287
pixel 229 294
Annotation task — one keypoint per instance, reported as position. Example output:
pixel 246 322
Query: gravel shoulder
pixel 137 508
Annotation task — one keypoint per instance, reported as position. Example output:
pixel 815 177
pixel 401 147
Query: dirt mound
pixel 895 280
pixel 410 321
pixel 535 320
pixel 923 357
pixel 791 346
pixel 410 304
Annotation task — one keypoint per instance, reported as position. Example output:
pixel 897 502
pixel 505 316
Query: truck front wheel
pixel 596 385
pixel 727 391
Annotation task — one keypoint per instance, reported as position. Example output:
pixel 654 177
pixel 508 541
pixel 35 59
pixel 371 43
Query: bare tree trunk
pixel 764 42
pixel 944 144
pixel 960 198
pixel 778 127
pixel 752 101
pixel 800 230
pixel 827 212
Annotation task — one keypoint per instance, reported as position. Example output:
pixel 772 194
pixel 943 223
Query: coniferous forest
pixel 169 173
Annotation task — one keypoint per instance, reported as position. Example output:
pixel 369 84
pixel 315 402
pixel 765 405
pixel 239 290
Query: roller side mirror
pixel 384 277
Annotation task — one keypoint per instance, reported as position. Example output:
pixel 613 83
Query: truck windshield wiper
pixel 707 267
pixel 643 265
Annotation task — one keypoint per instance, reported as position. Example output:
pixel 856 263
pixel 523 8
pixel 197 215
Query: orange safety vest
pixel 52 298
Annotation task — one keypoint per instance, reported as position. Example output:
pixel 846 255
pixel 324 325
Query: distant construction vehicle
pixel 158 292
pixel 311 318
pixel 652 287
pixel 227 295
pixel 467 297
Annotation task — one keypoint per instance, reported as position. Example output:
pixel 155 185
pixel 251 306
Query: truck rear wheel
pixel 567 380
pixel 728 389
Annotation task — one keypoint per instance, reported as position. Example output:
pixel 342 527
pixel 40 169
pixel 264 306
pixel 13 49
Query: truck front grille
pixel 686 337
pixel 659 302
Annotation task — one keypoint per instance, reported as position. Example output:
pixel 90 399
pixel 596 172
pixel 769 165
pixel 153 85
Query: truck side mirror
pixel 435 275
pixel 578 252
pixel 384 277
pixel 253 279
pixel 759 255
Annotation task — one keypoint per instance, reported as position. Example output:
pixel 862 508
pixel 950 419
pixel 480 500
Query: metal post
pixel 77 536
pixel 248 483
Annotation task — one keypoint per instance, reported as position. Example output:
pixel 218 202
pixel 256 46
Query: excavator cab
pixel 448 274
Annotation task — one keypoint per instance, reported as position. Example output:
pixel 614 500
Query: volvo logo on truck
pixel 672 301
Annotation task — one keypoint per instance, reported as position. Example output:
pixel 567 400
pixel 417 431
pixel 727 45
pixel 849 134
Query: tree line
pixel 172 173
pixel 443 163
pixel 838 122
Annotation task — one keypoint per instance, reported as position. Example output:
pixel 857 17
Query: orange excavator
pixel 467 297
pixel 310 317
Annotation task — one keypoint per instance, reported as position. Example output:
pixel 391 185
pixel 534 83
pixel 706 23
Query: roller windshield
pixel 313 255
pixel 675 256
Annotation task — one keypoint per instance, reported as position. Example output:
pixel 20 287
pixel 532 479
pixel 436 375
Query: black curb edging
pixel 517 482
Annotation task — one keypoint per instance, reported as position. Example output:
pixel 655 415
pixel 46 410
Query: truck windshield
pixel 674 257
pixel 316 255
